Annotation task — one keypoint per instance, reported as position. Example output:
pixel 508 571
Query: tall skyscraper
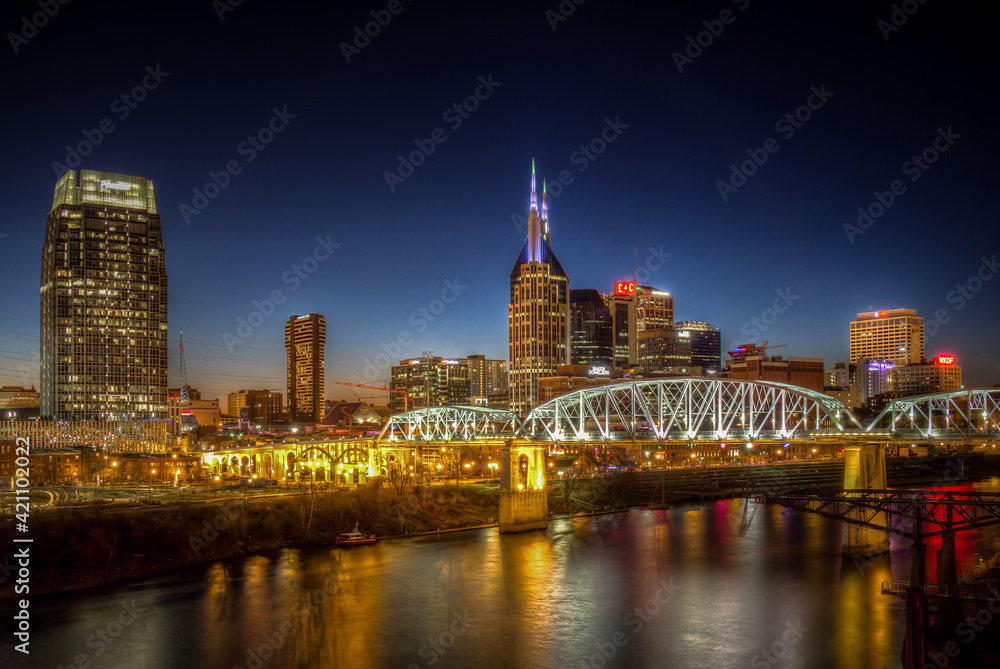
pixel 590 328
pixel 486 377
pixel 538 314
pixel 103 301
pixel 305 345
pixel 896 335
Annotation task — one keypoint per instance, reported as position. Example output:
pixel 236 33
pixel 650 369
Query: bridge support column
pixel 864 469
pixel 524 499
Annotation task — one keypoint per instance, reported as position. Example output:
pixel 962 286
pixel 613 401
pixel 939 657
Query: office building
pixel 590 328
pixel 196 415
pixel 896 335
pixel 663 349
pixel 486 377
pixel 576 377
pixel 305 345
pixel 939 376
pixel 873 377
pixel 429 381
pixel 636 309
pixel 538 313
pixel 706 344
pixel 750 362
pixel 103 301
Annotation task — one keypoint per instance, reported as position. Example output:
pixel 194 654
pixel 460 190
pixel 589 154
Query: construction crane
pixel 757 349
pixel 385 389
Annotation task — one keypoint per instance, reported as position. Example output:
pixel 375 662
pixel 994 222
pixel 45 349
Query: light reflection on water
pixel 478 599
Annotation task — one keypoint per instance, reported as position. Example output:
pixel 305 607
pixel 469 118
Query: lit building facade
pixel 576 377
pixel 635 309
pixel 663 349
pixel 896 335
pixel 873 377
pixel 538 313
pixel 706 344
pixel 305 346
pixel 939 376
pixel 486 377
pixel 430 381
pixel 103 301
pixel 590 328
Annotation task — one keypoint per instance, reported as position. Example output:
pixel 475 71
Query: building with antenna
pixel 538 316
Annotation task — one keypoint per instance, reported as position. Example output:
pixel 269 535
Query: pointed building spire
pixel 545 212
pixel 534 195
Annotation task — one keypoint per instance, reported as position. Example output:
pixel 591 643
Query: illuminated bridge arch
pixel 973 414
pixel 688 409
pixel 458 423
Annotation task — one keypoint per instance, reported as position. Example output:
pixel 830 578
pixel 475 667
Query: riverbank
pixel 75 550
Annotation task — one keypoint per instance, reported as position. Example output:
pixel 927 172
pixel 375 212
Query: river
pixel 643 588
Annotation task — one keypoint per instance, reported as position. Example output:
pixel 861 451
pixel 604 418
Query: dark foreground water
pixel 676 588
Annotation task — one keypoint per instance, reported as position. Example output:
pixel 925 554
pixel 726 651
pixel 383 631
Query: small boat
pixel 355 538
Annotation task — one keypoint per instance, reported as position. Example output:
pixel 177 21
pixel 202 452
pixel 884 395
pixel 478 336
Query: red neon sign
pixel 624 287
pixel 945 360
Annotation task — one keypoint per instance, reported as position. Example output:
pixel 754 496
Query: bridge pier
pixel 524 498
pixel 864 469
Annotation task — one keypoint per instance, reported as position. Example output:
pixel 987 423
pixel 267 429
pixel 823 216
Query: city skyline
pixel 310 185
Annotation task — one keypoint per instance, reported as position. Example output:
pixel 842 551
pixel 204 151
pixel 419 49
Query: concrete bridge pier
pixel 864 469
pixel 524 498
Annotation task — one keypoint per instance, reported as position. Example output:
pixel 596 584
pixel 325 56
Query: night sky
pixel 678 116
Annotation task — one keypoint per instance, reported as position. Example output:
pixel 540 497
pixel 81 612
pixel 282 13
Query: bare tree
pixel 399 473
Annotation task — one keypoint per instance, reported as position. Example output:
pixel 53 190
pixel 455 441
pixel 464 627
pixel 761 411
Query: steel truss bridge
pixel 687 410
pixel 692 413
pixel 907 513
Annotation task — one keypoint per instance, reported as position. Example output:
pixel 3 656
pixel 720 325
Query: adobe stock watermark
pixel 294 276
pixel 562 12
pixel 121 107
pixel 419 320
pixel 103 638
pixel 581 158
pixel 697 44
pixel 914 168
pixel 372 29
pixel 439 644
pixel 30 25
pixel 756 326
pixel 962 294
pixel 454 116
pixel 773 654
pixel 210 529
pixel 223 7
pixel 901 13
pixel 254 144
pixel 786 125
pixel 635 620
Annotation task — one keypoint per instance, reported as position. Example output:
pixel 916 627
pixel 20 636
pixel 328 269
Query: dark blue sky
pixel 607 65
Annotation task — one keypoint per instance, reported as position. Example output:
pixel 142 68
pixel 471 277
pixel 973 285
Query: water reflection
pixel 677 588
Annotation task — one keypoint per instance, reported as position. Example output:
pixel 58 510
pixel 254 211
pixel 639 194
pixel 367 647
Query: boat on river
pixel 355 538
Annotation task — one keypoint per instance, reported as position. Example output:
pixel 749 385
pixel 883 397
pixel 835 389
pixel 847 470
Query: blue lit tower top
pixel 536 246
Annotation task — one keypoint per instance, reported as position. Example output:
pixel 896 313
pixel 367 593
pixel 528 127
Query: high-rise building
pixel 538 314
pixel 590 328
pixel 429 381
pixel 486 377
pixel 938 376
pixel 663 349
pixel 103 301
pixel 706 344
pixel 896 335
pixel 873 377
pixel 636 309
pixel 305 345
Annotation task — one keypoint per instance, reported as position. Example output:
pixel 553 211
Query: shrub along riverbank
pixel 78 549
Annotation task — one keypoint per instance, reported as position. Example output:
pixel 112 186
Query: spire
pixel 545 212
pixel 534 195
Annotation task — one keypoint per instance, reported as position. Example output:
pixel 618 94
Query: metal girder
pixel 687 408
pixel 450 423
pixel 938 511
pixel 966 414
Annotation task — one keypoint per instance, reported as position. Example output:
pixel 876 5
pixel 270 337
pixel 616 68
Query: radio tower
pixel 185 396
